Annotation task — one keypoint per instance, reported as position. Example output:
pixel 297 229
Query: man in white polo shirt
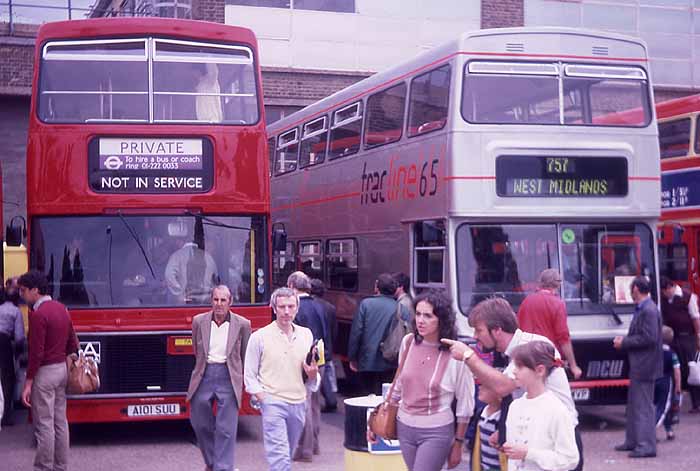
pixel 274 366
pixel 219 341
pixel 496 328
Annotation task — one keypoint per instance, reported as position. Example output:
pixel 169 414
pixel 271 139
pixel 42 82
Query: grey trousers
pixel 308 442
pixel 282 423
pixel 49 418
pixel 425 449
pixel 216 435
pixel 640 426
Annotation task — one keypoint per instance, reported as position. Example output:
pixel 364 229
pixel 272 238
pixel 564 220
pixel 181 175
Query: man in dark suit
pixel 644 350
pixel 329 385
pixel 369 328
pixel 311 316
pixel 219 341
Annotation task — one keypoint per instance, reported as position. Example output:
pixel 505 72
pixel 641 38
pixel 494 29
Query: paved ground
pixel 168 446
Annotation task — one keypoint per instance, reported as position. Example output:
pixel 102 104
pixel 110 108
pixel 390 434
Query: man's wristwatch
pixel 467 354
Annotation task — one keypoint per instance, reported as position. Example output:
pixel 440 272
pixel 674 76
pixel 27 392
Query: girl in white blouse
pixel 539 428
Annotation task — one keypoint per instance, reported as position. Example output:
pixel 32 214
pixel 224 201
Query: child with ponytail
pixel 539 428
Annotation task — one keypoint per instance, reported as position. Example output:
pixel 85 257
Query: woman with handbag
pixel 427 382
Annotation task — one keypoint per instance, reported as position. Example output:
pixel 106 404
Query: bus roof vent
pixel 515 47
pixel 600 50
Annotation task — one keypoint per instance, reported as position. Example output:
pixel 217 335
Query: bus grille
pixel 139 364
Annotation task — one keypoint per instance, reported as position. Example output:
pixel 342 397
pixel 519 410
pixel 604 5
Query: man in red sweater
pixel 543 312
pixel 51 340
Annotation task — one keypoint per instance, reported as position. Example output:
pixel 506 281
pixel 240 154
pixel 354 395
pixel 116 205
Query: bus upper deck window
pixel 429 99
pixel 86 81
pixel 345 131
pixel 203 82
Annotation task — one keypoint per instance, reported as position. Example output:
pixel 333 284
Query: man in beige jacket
pixel 219 341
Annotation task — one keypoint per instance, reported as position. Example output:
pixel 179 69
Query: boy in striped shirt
pixel 485 457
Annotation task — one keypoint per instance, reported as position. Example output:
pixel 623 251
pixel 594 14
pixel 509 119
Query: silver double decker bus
pixel 472 168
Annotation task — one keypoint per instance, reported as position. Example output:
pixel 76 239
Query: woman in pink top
pixel 431 379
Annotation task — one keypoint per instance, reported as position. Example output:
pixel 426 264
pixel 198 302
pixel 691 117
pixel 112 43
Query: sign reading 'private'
pixel 156 165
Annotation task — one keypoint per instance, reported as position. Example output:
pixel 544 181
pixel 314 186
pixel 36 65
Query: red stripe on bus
pixel 318 201
pixel 601 383
pixel 445 59
pixel 469 177
pixel 647 179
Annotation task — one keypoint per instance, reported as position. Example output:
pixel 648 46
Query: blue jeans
pixel 216 435
pixel 282 424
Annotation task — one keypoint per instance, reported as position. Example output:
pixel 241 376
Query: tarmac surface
pixel 169 446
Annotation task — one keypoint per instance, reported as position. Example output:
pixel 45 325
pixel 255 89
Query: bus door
pixel 620 262
pixel 678 255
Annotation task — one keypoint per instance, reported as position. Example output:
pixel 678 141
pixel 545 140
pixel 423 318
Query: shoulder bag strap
pixel 398 371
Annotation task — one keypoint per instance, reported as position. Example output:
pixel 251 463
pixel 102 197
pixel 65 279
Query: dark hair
pixel 536 353
pixel 403 281
pixel 3 295
pixel 496 313
pixel 666 282
pixel 386 284
pixel 317 287
pixel 442 308
pixel 642 283
pixel 34 279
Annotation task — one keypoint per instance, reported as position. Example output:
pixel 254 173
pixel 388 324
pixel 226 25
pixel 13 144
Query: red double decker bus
pixel 147 185
pixel 679 143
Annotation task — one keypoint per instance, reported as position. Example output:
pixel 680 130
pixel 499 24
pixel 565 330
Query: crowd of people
pixel 447 392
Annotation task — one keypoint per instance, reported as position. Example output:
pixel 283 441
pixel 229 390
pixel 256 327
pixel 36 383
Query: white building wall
pixel 380 34
pixel 671 29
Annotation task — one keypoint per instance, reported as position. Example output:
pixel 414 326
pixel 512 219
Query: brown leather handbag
pixel 83 374
pixel 382 420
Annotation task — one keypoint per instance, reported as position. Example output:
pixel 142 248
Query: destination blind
pixel 150 165
pixel 561 176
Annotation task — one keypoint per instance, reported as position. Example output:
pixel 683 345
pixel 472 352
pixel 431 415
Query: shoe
pixel 642 454
pixel 670 435
pixel 329 409
pixel 694 410
pixel 624 447
pixel 303 459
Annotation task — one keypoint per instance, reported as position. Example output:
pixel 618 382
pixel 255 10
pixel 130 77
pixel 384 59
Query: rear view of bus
pixel 147 186
pixel 477 165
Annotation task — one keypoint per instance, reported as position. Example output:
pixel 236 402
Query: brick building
pixel 312 48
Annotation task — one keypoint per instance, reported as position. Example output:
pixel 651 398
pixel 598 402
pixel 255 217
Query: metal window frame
pixel 605 72
pixel 48 56
pixel 203 60
pixel 357 115
pixel 513 68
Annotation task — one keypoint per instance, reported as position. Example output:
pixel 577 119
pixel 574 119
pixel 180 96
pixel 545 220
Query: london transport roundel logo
pixel 113 162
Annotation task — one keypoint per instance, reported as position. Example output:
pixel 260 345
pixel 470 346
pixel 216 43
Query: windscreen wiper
pixel 138 242
pixel 212 222
pixel 615 315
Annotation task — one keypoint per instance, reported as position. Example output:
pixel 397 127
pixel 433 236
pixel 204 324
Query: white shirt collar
pixel 41 301
pixel 514 342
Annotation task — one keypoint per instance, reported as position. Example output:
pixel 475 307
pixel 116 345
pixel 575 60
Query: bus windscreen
pixel 597 262
pixel 148 261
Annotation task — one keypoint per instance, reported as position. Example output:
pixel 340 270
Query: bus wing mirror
pixel 15 233
pixel 279 239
